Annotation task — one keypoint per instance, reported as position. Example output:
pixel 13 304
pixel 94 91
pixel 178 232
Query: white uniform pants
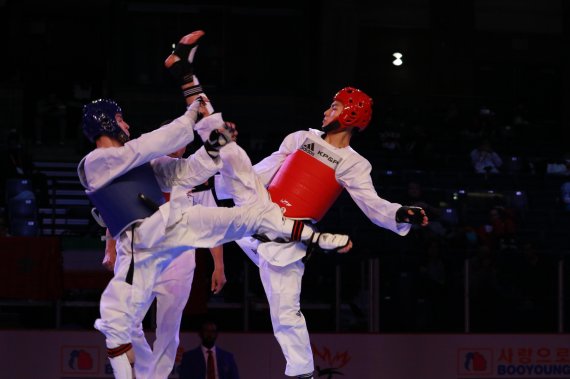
pixel 122 305
pixel 171 291
pixel 282 284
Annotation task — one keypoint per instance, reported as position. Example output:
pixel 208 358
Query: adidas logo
pixel 321 153
pixel 309 148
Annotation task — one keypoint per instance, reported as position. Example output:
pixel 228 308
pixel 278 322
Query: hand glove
pixel 411 215
pixel 218 139
pixel 205 126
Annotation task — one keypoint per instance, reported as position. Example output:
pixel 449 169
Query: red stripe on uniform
pixel 297 229
pixel 119 350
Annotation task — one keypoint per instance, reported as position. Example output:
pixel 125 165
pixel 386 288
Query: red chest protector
pixel 305 186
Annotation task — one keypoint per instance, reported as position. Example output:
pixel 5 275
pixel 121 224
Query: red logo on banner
pixel 333 361
pixel 474 362
pixel 79 359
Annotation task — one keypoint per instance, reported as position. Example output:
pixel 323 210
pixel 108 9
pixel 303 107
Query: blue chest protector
pixel 131 197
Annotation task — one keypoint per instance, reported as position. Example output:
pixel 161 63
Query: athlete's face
pixel 122 124
pixel 332 112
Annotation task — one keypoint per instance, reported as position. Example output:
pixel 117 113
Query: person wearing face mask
pixel 208 360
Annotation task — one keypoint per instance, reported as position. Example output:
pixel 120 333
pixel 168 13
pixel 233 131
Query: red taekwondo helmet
pixel 357 110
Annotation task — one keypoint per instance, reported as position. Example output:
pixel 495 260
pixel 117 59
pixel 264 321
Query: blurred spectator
pixel 499 232
pixel 208 360
pixel 420 145
pixel 560 168
pixel 483 271
pixel 3 226
pixel 390 140
pixel 484 289
pixel 81 94
pixel 433 268
pixel 490 125
pixel 416 196
pixel 536 281
pixel 433 286
pixel 481 124
pixel 51 116
pixel 452 116
pixel 484 159
pixel 565 195
pixel 520 116
pixel 472 130
pixel 15 162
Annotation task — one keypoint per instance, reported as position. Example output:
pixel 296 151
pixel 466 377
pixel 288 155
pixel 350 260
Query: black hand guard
pixel 410 215
pixel 217 140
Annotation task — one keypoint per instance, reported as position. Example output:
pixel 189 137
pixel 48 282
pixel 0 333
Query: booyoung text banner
pixel 82 354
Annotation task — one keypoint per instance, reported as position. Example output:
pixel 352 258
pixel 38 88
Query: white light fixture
pixel 398 61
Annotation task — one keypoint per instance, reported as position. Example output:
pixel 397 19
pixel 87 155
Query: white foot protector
pixel 329 241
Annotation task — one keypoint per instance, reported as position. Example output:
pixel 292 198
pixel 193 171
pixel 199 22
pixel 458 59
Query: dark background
pixel 275 65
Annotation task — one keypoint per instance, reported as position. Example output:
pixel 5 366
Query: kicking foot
pixel 185 48
pixel 339 243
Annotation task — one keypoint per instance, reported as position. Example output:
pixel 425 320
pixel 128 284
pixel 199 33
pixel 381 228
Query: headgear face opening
pixel 357 110
pixel 99 119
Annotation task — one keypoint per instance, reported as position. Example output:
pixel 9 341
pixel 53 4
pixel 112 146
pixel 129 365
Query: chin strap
pixel 334 125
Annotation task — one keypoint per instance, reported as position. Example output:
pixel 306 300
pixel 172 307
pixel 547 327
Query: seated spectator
pixel 484 159
pixel 520 116
pixel 471 130
pixel 560 168
pixel 420 145
pixel 390 140
pixel 415 196
pixel 51 114
pixel 565 195
pixel 499 231
pixel 16 162
pixel 3 226
pixel 483 273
